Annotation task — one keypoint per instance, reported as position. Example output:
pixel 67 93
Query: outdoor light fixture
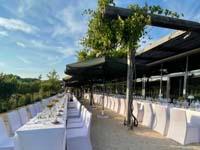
pixel 190 97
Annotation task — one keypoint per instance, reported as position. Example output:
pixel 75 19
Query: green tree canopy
pixel 113 38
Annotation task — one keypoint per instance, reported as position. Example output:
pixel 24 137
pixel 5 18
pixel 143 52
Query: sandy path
pixel 110 134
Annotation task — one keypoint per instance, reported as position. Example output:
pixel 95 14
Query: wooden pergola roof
pixel 113 12
pixel 178 44
pixel 171 51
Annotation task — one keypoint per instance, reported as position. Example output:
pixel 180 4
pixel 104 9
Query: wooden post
pixel 91 95
pixel 103 99
pixel 185 79
pixel 168 88
pixel 144 87
pixel 161 76
pixel 129 88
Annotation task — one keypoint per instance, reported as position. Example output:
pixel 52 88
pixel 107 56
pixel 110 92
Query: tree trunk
pixel 129 88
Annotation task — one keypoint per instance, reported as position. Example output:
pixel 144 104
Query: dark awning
pixel 101 69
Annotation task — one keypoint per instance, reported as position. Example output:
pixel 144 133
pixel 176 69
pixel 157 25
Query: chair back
pixel 148 115
pixel 14 121
pixel 161 119
pixel 88 119
pixel 32 110
pixel 178 125
pixel 116 104
pixel 82 111
pixel 23 115
pixel 38 107
pixel 45 102
pixel 75 99
pixel 3 131
pixel 78 105
pixel 108 102
pixel 113 103
pixel 135 108
pixel 105 101
pixel 122 107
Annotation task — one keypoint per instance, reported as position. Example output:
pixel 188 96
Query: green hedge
pixel 19 100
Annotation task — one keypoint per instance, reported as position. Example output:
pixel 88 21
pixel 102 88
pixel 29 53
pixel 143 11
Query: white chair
pixel 78 119
pixel 14 121
pixel 32 110
pixel 38 107
pixel 148 115
pixel 180 130
pixel 105 101
pixel 111 103
pixel 137 112
pixel 72 104
pixel 95 98
pixel 45 103
pixel 98 99
pixel 6 143
pixel 122 107
pixel 160 119
pixel 116 104
pixel 73 123
pixel 81 132
pixel 108 102
pixel 23 115
pixel 74 112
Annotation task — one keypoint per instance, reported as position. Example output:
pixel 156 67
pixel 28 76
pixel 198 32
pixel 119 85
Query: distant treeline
pixel 16 91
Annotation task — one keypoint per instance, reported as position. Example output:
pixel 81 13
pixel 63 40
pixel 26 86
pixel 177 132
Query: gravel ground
pixel 110 134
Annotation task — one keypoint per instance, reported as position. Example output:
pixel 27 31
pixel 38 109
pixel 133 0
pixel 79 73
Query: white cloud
pixel 24 60
pixel 21 44
pixel 17 25
pixel 71 23
pixel 66 51
pixel 3 33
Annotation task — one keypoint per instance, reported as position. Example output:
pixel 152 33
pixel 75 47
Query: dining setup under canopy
pixel 177 53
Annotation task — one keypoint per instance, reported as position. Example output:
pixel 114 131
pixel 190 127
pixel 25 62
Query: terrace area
pixel 110 134
pixel 116 96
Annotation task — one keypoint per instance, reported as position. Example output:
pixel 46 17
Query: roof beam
pixel 156 20
pixel 188 53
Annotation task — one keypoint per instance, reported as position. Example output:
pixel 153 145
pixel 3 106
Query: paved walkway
pixel 110 134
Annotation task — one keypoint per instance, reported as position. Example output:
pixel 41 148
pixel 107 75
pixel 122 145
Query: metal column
pixel 185 79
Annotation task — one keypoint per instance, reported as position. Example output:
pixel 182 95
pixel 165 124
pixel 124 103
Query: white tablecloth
pixel 41 134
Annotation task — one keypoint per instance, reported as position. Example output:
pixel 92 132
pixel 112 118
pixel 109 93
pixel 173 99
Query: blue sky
pixel 37 36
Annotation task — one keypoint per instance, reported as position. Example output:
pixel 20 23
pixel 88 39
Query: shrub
pixel 21 101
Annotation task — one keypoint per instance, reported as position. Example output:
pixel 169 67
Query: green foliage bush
pixel 16 91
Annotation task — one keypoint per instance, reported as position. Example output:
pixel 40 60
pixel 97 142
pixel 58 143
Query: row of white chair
pixel 160 118
pixel 74 108
pixel 170 122
pixel 16 119
pixel 78 127
pixel 114 103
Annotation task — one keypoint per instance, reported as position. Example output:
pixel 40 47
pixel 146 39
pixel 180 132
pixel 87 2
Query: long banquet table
pixel 43 132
